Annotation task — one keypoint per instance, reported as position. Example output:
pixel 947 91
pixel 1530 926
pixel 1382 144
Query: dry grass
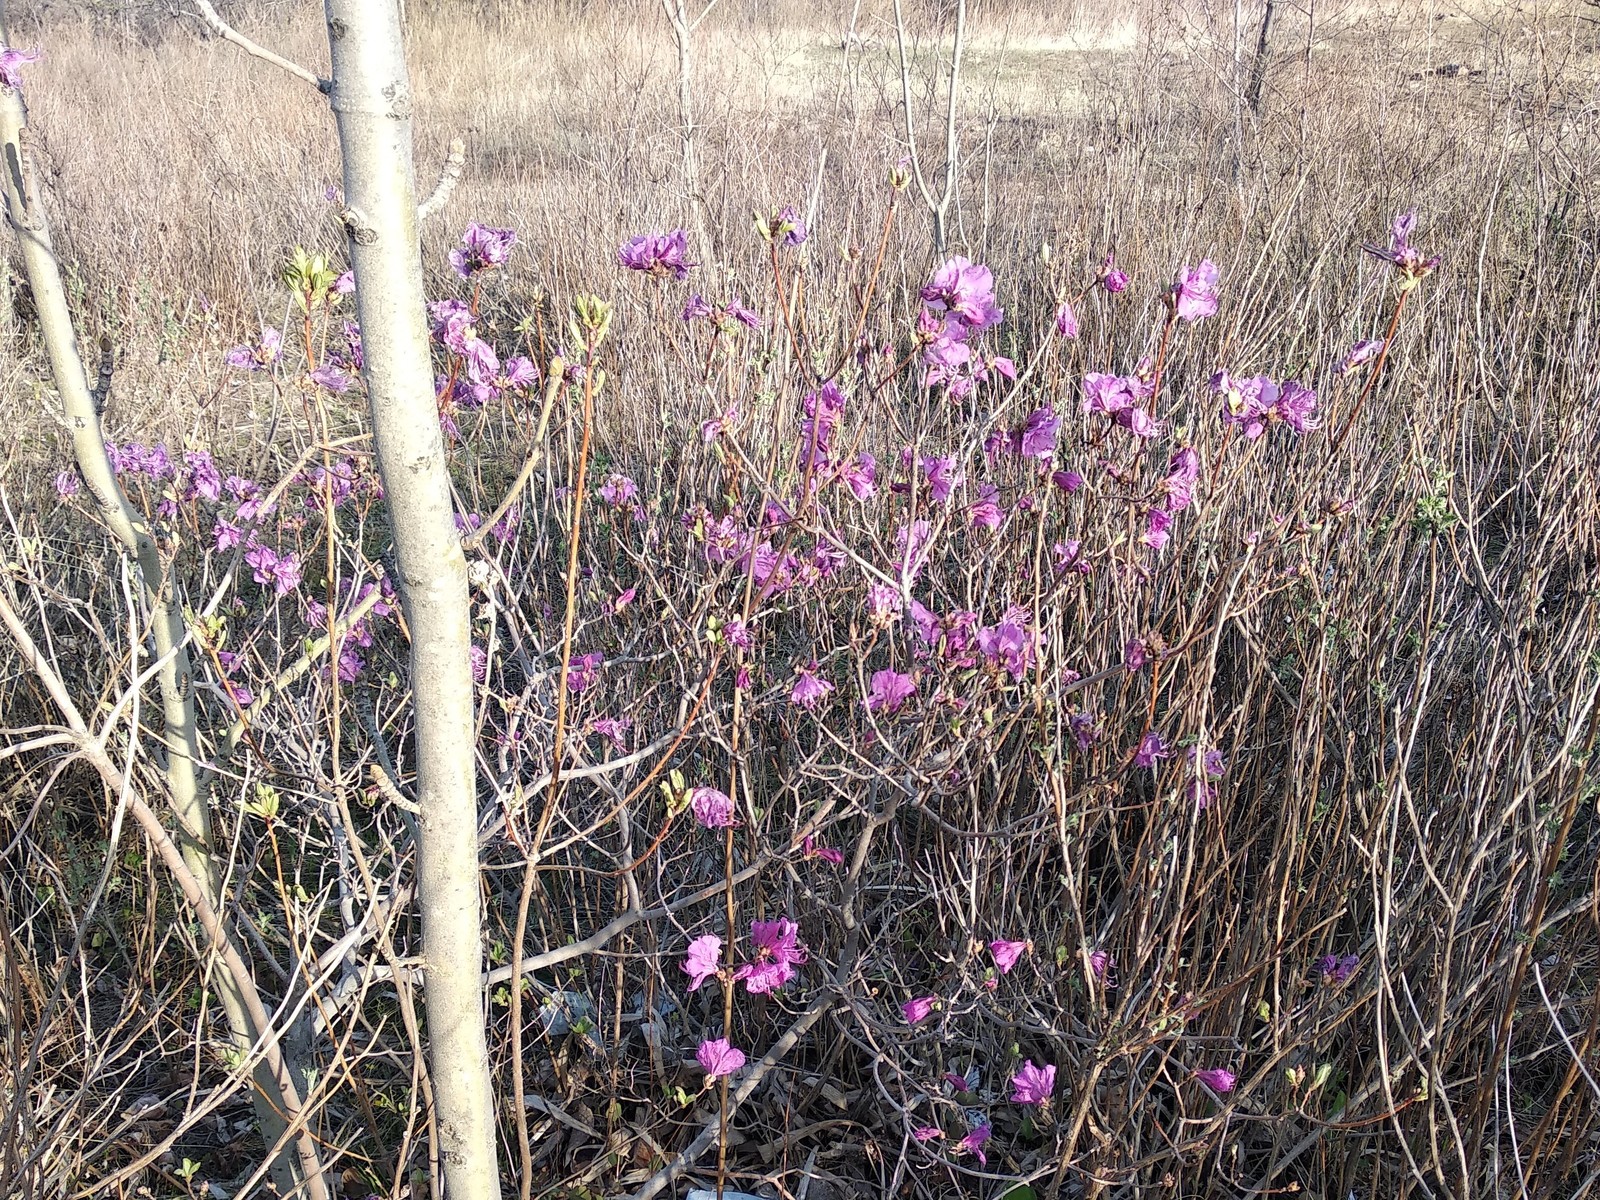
pixel 1407 693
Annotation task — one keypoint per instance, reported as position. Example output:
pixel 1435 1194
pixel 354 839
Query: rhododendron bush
pixel 951 737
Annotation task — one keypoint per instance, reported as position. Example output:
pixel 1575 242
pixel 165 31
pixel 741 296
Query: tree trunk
pixel 1258 65
pixel 371 98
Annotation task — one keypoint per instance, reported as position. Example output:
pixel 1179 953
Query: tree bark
pixel 371 99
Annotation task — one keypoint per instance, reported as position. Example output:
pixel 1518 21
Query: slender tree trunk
pixel 1258 65
pixel 27 218
pixel 371 98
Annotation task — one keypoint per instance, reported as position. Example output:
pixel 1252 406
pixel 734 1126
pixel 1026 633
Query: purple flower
pixel 1297 407
pixel 809 688
pixel 1111 279
pixel 790 227
pixel 828 854
pixel 737 314
pixel 927 1133
pixel 1218 1079
pixel 700 963
pixel 1033 1085
pixel 1066 320
pixel 1100 965
pixel 1402 254
pixel 613 729
pixel 619 490
pixel 226 534
pixel 1085 729
pixel 1067 481
pixel 10 60
pixel 862 478
pixel 718 1058
pixel 478 657
pixel 973 1142
pixel 657 254
pixel 483 248
pixel 778 952
pixel 345 285
pixel 66 483
pixel 331 378
pixel 1336 970
pixel 890 690
pixel 258 357
pixel 1152 748
pixel 1007 954
pixel 717 426
pixel 943 477
pixel 964 290
pixel 1039 433
pixel 1135 654
pixel 1068 556
pixel 204 478
pixel 1112 394
pixel 883 605
pixel 1140 423
pixel 711 808
pixel 1158 521
pixel 583 671
pixel 917 1010
pixel 268 568
pixel 986 511
pixel 1360 354
pixel 1197 292
pixel 1183 472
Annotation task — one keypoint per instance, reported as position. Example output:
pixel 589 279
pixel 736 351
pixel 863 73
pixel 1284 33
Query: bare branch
pixel 449 176
pixel 228 33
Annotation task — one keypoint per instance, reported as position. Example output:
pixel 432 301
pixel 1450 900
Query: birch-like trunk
pixel 175 682
pixel 371 98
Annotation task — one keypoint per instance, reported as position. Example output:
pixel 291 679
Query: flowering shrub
pixel 912 681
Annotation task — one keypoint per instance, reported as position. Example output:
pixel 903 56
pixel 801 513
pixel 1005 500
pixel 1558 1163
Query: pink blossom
pixel 1152 748
pixel 965 290
pixel 890 690
pixel 883 605
pixel 701 962
pixel 1101 964
pixel 828 854
pixel 809 688
pixel 1067 481
pixel 1066 320
pixel 718 1058
pixel 1135 654
pixel 1360 354
pixel 917 1010
pixel 711 808
pixel 985 511
pixel 1007 954
pixel 1111 279
pixel 1197 292
pixel 927 1133
pixel 974 1141
pixel 583 671
pixel 778 952
pixel 10 60
pixel 66 483
pixel 1218 1079
pixel 1033 1085
pixel 862 478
